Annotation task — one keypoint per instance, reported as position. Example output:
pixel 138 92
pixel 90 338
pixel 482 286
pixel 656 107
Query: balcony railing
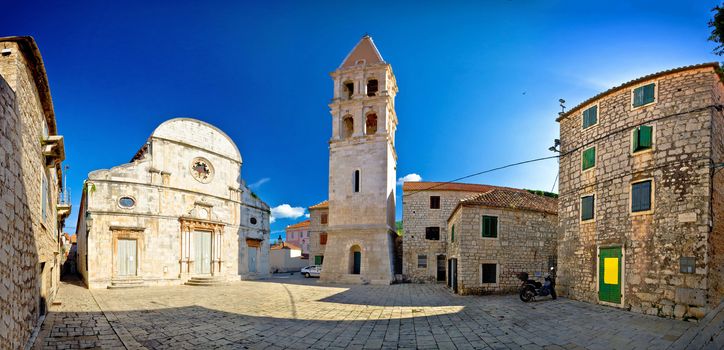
pixel 64 197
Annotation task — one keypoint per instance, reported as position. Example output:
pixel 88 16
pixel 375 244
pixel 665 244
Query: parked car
pixel 312 271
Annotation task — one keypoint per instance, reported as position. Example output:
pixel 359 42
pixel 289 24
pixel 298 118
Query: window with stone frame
pixel 324 218
pixel 434 202
pixel 590 117
pixel 422 261
pixel 644 95
pixel 356 181
pixel 641 196
pixel 432 233
pixel 452 234
pixel 323 239
pixel 687 265
pixel 588 207
pixel 490 226
pixel 489 273
pixel 642 138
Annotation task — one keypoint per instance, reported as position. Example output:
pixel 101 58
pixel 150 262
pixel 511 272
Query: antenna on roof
pixel 563 107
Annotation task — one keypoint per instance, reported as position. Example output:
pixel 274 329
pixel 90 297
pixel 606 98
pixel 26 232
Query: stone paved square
pixel 290 312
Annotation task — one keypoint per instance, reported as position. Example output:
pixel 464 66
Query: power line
pixel 480 173
pixel 718 107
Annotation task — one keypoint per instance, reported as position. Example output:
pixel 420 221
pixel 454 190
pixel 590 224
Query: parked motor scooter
pixel 531 288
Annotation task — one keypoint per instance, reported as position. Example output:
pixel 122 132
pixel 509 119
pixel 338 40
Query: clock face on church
pixel 202 170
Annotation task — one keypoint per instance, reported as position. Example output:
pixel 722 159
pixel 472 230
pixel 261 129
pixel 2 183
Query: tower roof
pixel 364 50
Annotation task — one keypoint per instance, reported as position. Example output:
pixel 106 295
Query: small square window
pixel 432 233
pixel 687 265
pixel 643 95
pixel 421 261
pixel 588 158
pixel 590 117
pixel 490 274
pixel 641 196
pixel 434 202
pixel 587 208
pixel 490 226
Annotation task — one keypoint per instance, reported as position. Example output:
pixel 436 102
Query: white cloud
pixel 272 219
pixel 409 178
pixel 258 184
pixel 286 211
pixel 306 216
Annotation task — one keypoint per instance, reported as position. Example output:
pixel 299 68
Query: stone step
pixel 205 281
pixel 125 283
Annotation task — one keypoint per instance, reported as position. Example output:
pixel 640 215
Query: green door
pixel 318 259
pixel 357 263
pixel 609 275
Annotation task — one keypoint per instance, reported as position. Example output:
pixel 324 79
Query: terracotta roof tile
pixel 521 200
pixel 324 204
pixel 304 223
pixel 285 245
pixel 630 83
pixel 450 186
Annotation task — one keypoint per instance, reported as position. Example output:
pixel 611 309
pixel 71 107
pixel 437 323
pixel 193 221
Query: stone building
pixel 178 212
pixel 298 234
pixel 31 216
pixel 426 206
pixel 641 195
pixel 362 170
pixel 495 235
pixel 286 257
pixel 318 223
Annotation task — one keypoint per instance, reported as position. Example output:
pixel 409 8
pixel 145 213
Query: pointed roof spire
pixel 364 50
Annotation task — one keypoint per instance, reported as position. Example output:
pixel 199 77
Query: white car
pixel 311 271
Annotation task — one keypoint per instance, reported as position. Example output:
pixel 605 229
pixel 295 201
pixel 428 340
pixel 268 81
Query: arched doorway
pixel 355 260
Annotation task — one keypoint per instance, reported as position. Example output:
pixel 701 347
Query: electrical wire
pixel 718 107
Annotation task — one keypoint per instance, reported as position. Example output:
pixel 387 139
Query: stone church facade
pixel 178 212
pixel 362 170
pixel 31 215
pixel 642 195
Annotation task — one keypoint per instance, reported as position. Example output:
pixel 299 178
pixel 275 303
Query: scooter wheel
pixel 526 295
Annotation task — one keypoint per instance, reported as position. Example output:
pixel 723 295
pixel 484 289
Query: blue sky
pixel 479 81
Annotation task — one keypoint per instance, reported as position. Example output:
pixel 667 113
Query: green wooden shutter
pixel 649 93
pixel 638 99
pixel 590 116
pixel 645 137
pixel 452 234
pixel 589 158
pixel 636 139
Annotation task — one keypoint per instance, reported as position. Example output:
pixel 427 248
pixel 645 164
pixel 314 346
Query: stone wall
pixel 416 216
pixel 526 242
pixel 29 264
pixel 716 238
pixel 678 226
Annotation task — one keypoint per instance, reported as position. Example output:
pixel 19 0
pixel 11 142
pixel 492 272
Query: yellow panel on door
pixel 610 270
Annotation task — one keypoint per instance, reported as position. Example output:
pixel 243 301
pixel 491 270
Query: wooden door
pixel 127 257
pixel 609 275
pixel 441 268
pixel 202 252
pixel 357 263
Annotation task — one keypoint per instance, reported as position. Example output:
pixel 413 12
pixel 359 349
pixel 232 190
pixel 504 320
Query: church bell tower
pixel 362 170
